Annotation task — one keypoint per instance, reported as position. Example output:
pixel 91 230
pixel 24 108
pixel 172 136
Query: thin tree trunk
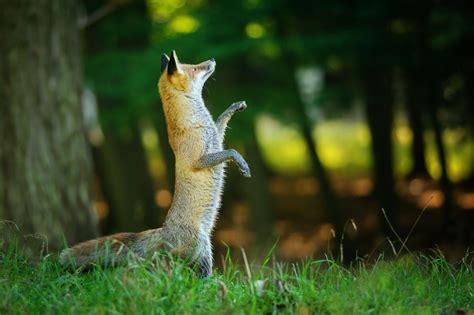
pixel 470 106
pixel 122 160
pixel 379 113
pixel 126 181
pixel 331 208
pixel 45 163
pixel 446 186
pixel 259 194
pixel 166 151
pixel 415 119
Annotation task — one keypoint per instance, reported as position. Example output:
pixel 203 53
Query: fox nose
pixel 211 64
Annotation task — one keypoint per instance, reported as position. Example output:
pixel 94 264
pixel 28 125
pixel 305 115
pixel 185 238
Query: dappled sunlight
pixel 183 24
pixel 430 199
pixel 404 135
pixel 255 30
pixel 465 200
pixel 150 138
pixel 277 137
pixel 238 235
pixel 308 186
pixel 151 144
pixel 460 154
pixel 163 198
pixel 299 245
pixel 344 146
pixel 361 187
pixel 423 192
pixel 157 168
pixel 101 208
pixel 162 10
pixel 295 186
pixel 172 14
pixel 334 157
pixel 416 186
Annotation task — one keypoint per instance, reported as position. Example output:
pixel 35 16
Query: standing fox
pixel 197 142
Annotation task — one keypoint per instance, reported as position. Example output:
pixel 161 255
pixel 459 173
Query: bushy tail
pixel 108 250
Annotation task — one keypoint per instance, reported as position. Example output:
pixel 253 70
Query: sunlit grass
pixel 344 146
pixel 412 285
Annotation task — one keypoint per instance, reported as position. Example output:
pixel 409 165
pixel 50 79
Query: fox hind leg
pixel 204 262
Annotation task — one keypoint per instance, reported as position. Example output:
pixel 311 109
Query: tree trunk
pixel 413 108
pixel 45 163
pixel 379 113
pixel 470 111
pixel 331 208
pixel 259 194
pixel 441 151
pixel 127 185
pixel 166 151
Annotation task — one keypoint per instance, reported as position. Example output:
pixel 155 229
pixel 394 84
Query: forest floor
pixel 408 285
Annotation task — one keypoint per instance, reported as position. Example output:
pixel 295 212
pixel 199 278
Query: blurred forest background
pixel 352 107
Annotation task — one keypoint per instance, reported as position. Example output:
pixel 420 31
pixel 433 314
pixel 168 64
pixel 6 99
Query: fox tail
pixel 108 250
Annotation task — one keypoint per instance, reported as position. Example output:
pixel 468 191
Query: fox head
pixel 185 78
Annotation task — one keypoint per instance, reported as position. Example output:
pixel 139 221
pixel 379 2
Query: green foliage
pixel 414 285
pixel 257 44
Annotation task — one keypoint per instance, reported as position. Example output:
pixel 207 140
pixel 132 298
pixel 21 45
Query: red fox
pixel 197 142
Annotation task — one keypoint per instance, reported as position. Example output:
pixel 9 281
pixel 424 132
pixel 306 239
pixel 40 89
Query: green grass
pixel 410 285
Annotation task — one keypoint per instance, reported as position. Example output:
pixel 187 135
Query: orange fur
pixel 197 142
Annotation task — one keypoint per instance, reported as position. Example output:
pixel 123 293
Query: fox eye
pixel 194 69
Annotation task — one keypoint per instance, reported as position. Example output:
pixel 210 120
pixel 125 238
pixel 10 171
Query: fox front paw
pixel 244 169
pixel 240 162
pixel 239 106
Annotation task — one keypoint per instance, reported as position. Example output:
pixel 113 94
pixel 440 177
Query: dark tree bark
pixel 379 114
pixel 470 106
pixel 166 151
pixel 45 163
pixel 258 194
pixel 444 181
pixel 121 161
pixel 415 119
pixel 331 208
pixel 127 185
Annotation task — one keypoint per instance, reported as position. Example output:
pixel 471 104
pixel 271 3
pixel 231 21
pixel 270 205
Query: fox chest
pixel 193 143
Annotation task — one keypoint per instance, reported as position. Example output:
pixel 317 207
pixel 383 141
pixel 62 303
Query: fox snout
pixel 211 64
pixel 208 67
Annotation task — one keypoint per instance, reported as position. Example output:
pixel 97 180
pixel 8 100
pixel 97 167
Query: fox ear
pixel 164 62
pixel 173 64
